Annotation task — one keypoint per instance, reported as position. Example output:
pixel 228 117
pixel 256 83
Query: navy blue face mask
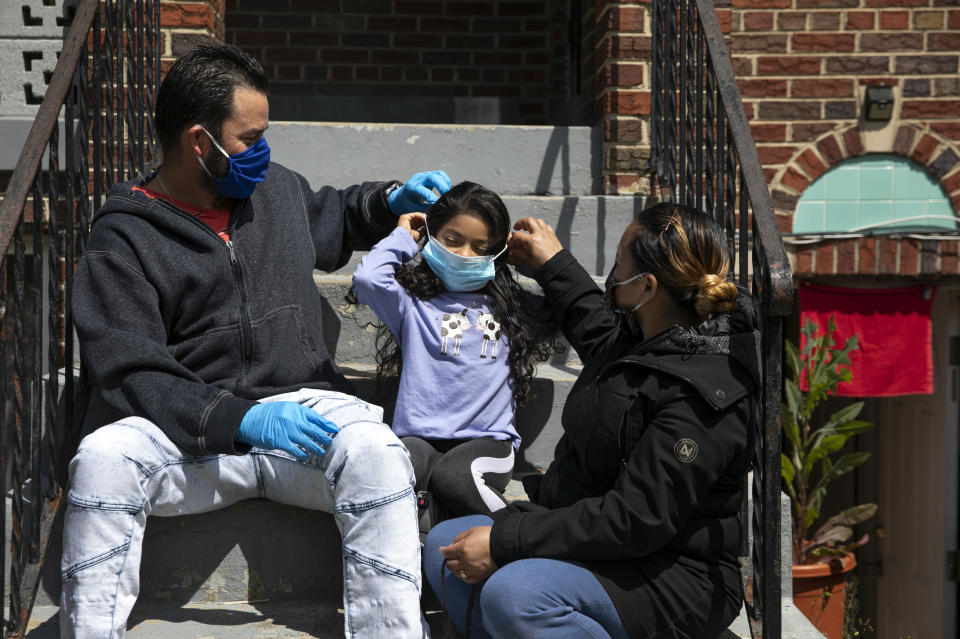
pixel 247 169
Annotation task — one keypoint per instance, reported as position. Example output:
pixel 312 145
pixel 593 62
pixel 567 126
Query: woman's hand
pixel 415 223
pixel 468 557
pixel 534 247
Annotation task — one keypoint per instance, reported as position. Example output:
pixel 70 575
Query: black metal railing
pixel 94 128
pixel 703 155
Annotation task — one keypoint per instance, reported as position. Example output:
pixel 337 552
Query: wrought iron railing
pixel 702 154
pixel 94 128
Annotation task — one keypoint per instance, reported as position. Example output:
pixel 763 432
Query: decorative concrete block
pixel 31 35
pixel 28 65
pixel 36 18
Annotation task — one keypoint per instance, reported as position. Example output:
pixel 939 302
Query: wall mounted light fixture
pixel 878 104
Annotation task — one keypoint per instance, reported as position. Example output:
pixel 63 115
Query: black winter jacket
pixel 647 480
pixel 181 328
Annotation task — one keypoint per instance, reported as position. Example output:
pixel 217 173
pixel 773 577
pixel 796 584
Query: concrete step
pixel 225 574
pixel 230 620
pixel 230 574
pixel 512 160
pixel 276 620
pixel 253 551
pixel 589 226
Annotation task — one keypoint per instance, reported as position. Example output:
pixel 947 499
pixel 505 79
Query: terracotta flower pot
pixel 819 593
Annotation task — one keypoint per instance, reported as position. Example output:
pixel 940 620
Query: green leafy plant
pixel 812 456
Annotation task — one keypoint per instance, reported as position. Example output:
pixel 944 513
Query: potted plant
pixel 812 458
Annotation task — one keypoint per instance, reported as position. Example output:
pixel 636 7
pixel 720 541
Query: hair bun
pixel 715 295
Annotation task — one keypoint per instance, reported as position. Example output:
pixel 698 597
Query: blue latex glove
pixel 286 426
pixel 416 194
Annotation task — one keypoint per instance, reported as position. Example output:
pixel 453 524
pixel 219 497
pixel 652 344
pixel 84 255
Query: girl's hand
pixel 534 247
pixel 468 557
pixel 415 223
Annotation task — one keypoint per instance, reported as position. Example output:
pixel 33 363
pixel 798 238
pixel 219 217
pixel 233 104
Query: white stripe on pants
pixel 128 470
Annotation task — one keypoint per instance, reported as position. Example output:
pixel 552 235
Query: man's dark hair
pixel 199 87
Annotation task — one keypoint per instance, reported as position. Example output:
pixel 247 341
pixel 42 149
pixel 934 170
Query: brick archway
pixel 939 156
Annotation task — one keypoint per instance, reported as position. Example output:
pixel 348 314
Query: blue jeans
pixel 529 598
pixel 128 470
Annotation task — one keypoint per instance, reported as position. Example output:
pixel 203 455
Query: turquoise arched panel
pixel 886 192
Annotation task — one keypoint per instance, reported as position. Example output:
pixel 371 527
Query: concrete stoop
pixel 253 569
pixel 297 620
pixel 226 620
pixel 232 620
pixel 262 569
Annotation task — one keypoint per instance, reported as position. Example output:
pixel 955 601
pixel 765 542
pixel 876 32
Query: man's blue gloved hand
pixel 286 426
pixel 416 193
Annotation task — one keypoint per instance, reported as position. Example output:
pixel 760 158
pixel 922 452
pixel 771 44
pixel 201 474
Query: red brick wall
pixel 879 258
pixel 803 66
pixel 185 23
pixel 511 50
pixel 622 87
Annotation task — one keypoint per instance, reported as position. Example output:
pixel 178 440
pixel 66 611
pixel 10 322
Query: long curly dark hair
pixel 522 315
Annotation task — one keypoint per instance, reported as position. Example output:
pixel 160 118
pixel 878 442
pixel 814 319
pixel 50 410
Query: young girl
pixel 464 337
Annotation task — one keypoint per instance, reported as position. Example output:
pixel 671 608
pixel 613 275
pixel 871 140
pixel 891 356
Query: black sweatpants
pixel 466 476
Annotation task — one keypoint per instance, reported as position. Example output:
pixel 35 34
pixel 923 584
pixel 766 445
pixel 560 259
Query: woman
pixel 634 530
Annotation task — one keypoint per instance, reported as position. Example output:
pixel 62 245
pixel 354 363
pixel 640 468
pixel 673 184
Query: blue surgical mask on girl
pixel 247 169
pixel 459 274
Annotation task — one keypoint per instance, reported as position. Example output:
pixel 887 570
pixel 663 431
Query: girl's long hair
pixel 523 316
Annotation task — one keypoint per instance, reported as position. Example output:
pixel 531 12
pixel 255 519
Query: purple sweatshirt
pixel 456 379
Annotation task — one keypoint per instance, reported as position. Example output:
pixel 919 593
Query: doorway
pixel 906 585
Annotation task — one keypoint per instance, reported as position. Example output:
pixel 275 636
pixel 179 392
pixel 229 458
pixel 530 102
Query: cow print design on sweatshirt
pixel 452 327
pixel 490 328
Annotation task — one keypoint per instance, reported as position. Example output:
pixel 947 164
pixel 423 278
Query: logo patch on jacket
pixel 686 450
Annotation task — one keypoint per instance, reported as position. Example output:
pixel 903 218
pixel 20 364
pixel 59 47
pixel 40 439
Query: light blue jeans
pixel 129 470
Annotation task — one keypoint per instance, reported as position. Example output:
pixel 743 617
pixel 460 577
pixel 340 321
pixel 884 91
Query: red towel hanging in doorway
pixel 894 331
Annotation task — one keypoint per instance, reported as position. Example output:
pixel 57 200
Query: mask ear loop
pixel 215 143
pixel 615 284
pixel 629 279
pixel 203 164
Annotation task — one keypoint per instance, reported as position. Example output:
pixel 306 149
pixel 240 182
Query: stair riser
pixel 516 160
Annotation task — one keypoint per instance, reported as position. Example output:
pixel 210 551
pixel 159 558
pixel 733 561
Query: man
pixel 201 331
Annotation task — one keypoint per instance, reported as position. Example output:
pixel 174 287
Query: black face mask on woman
pixel 622 316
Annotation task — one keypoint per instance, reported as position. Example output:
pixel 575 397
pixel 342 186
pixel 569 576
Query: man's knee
pixel 114 458
pixel 371 450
